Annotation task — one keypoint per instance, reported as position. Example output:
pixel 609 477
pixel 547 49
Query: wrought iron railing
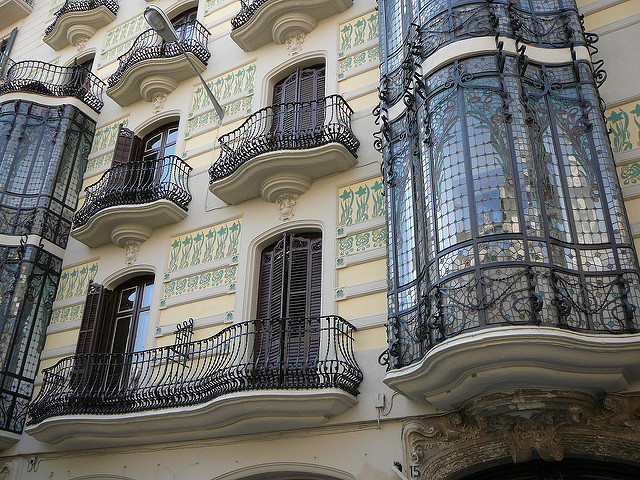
pixel 247 10
pixel 286 126
pixel 46 79
pixel 5 64
pixel 136 183
pixel 300 353
pixel 82 6
pixel 192 36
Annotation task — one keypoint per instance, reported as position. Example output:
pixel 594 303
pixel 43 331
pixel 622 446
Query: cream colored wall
pixel 359 271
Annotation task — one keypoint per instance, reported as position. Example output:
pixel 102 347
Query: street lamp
pixel 163 27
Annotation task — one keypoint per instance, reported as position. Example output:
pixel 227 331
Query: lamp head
pixel 159 21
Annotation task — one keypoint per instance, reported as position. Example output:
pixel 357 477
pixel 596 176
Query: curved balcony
pixel 492 333
pixel 264 21
pixel 13 10
pixel 283 148
pixel 78 20
pixel 233 383
pixel 131 199
pixel 151 67
pixel 43 78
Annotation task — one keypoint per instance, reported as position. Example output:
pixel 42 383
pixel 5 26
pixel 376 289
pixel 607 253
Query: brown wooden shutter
pixel 127 148
pixel 95 329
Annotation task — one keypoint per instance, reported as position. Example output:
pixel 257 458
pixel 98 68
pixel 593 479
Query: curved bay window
pixel 504 207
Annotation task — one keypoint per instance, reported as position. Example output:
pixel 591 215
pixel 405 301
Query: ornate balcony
pixel 263 21
pixel 151 67
pixel 131 199
pixel 283 148
pixel 78 20
pixel 13 10
pixel 233 383
pixel 33 76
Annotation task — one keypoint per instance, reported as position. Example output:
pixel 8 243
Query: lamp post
pixel 163 27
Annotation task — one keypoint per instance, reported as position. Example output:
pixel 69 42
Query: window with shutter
pixel 298 100
pixel 113 322
pixel 289 298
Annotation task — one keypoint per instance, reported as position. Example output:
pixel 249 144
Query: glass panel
pixel 121 334
pixel 172 136
pixel 146 295
pixel 169 151
pixel 141 332
pixel 127 299
pixel 153 143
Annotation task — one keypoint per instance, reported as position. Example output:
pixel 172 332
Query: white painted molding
pixel 63 327
pixel 371 224
pixel 629 192
pixel 201 268
pixel 58 352
pixel 198 323
pixel 361 257
pixel 360 290
pixel 624 158
pixel 616 26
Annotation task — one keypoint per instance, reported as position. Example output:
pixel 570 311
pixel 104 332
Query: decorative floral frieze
pixel 211 243
pixel 127 29
pixel 358 31
pixel 225 86
pixel 354 61
pixel 75 280
pixel 630 174
pixel 243 106
pixel 67 314
pixel 362 242
pixel 361 201
pixel 106 136
pixel 624 127
pixel 200 281
pixel 99 162
pixel 213 5
pixel 55 6
pixel 115 52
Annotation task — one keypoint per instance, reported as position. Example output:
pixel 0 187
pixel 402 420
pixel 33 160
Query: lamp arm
pixel 216 105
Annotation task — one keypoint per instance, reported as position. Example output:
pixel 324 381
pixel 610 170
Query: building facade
pixel 407 250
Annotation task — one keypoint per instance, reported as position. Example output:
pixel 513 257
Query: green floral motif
pixel 362 242
pixel 201 246
pixel 354 61
pixel 368 199
pixel 115 52
pixel 55 6
pixel 359 30
pixel 227 85
pixel 67 314
pixel 630 174
pixel 98 162
pixel 133 26
pixel 75 280
pixel 106 136
pixel 619 127
pixel 211 118
pixel 200 281
pixel 212 5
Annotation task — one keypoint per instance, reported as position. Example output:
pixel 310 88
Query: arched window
pixel 301 99
pixel 288 330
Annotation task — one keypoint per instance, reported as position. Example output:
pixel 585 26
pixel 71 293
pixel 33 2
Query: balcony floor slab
pixel 283 171
pixel 227 415
pixel 122 223
pixel 502 358
pixel 72 27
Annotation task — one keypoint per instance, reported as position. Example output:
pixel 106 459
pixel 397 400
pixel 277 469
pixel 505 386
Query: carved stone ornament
pixel 158 101
pixel 131 253
pixel 81 44
pixel 14 469
pixel 286 203
pixel 294 43
pixel 512 426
